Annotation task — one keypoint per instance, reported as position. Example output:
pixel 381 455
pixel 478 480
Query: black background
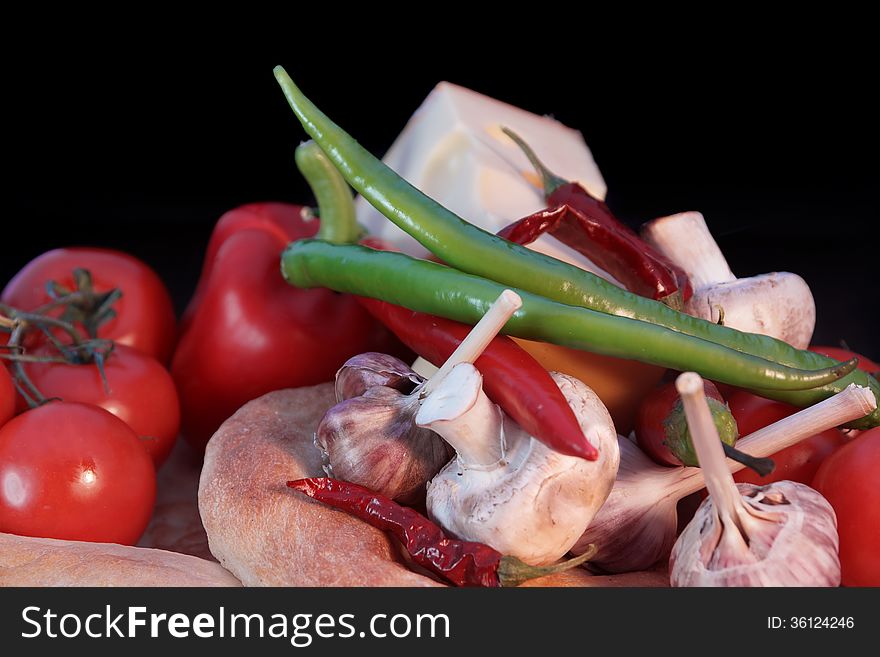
pixel 141 144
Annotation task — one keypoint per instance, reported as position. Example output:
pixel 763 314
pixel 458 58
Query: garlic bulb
pixel 364 371
pixel 636 527
pixel 782 534
pixel 792 541
pixel 370 438
pixel 507 489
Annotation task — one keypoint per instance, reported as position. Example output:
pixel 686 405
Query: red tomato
pixel 144 314
pixel 796 463
pixel 652 417
pixel 849 480
pixel 141 393
pixel 7 395
pixel 865 364
pixel 74 471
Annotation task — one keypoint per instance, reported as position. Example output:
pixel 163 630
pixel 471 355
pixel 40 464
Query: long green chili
pixel 432 288
pixel 470 249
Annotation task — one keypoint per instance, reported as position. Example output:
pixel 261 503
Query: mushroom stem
pixel 452 402
pixel 502 309
pixel 465 417
pixel 685 239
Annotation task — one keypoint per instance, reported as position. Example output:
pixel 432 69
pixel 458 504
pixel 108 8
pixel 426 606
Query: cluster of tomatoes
pixel 844 467
pixel 82 464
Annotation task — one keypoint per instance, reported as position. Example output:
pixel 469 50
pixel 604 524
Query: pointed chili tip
pixel 848 366
pixel 307 485
pixel 583 449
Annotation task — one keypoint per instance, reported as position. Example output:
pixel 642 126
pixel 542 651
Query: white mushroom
pixel 507 489
pixel 778 304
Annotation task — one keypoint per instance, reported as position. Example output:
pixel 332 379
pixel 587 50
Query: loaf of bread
pixel 26 561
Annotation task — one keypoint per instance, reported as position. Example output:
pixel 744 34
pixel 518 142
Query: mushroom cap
pixel 778 304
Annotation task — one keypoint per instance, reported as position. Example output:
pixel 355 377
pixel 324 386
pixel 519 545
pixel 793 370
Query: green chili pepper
pixel 475 251
pixel 431 288
pixel 338 223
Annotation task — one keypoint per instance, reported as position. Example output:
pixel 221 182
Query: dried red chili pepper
pixel 586 224
pixel 462 563
pixel 512 378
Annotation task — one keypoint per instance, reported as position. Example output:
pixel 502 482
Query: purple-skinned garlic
pixel 782 534
pixel 361 372
pixel 370 437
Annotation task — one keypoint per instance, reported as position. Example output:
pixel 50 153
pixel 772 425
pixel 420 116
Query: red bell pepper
pixel 247 332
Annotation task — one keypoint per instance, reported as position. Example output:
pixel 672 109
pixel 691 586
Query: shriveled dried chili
pixel 462 563
pixel 587 225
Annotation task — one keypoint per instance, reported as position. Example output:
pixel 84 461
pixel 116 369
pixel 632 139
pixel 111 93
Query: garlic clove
pixel 364 371
pixel 636 527
pixel 792 541
pixel 372 440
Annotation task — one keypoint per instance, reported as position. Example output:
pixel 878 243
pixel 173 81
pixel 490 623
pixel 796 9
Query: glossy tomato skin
pixel 849 481
pixel 144 314
pixel 796 463
pixel 74 471
pixel 248 332
pixel 139 391
pixel 7 395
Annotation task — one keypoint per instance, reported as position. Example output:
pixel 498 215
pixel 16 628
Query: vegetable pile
pixel 568 306
pixel 449 432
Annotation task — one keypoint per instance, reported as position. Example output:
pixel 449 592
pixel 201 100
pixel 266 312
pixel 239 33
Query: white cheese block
pixel 454 151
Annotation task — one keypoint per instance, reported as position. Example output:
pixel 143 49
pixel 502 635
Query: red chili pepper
pixel 462 563
pixel 512 378
pixel 586 224
pixel 247 332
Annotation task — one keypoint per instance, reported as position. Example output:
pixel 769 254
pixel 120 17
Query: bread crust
pixel 27 561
